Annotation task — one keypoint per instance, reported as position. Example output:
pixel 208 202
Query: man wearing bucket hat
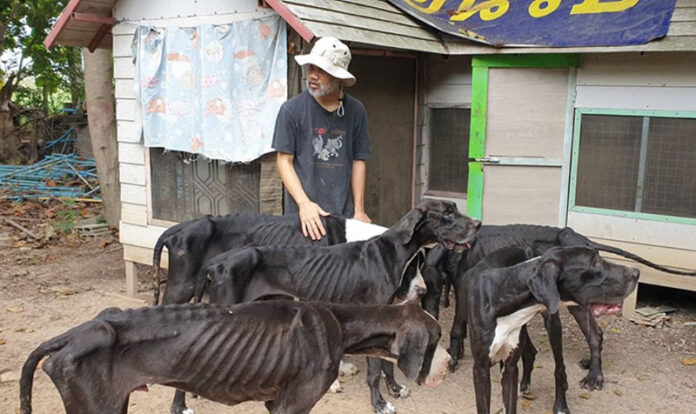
pixel 322 141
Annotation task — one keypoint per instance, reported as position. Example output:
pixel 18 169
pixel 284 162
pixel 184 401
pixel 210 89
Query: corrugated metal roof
pixel 84 23
pixel 377 22
pixel 370 22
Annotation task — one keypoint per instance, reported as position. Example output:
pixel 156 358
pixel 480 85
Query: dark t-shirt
pixel 325 146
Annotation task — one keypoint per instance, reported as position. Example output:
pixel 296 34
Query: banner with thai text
pixel 554 23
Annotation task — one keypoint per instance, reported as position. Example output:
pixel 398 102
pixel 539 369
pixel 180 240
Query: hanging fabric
pixel 213 90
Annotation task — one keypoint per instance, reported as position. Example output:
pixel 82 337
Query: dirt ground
pixel 45 291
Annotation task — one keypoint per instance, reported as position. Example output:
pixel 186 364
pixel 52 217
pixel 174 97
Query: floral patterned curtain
pixel 213 90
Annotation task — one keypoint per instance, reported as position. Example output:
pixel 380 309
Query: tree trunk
pixel 101 118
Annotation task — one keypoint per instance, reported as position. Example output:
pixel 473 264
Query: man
pixel 322 141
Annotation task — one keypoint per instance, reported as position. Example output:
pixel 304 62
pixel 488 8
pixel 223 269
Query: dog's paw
pixel 346 369
pixel 187 411
pixel 453 365
pixel 336 387
pixel 592 382
pixel 401 391
pixel 387 408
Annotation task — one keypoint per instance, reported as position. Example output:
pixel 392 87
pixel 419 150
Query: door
pixel 386 86
pixel 518 141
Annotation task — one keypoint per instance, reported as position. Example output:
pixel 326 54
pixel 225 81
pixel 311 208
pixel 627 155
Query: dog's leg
pixel 396 390
pixel 179 404
pixel 509 382
pixel 594 336
pixel 555 330
pixel 528 356
pixel 379 404
pixel 482 385
pixel 458 332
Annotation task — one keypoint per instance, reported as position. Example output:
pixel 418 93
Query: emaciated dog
pixel 284 353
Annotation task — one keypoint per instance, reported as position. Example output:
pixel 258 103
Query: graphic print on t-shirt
pixel 327 143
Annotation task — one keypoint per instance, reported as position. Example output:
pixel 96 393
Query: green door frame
pixel 479 110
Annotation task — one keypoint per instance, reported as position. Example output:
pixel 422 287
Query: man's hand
pixel 310 220
pixel 362 216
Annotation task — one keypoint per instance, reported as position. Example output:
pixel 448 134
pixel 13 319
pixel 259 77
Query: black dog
pixel 282 352
pixel 499 301
pixel 193 243
pixel 367 272
pixel 443 268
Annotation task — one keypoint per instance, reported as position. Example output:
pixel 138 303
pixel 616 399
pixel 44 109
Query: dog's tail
pixel 26 381
pixel 202 282
pixel 156 257
pixel 629 255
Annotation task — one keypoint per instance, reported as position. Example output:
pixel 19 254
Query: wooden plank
pixel 653 233
pixel 131 153
pixel 96 8
pixel 651 276
pixel 521 195
pixel 685 3
pixel 134 194
pixel 629 304
pixel 132 174
pixel 134 214
pixel 122 46
pixel 125 89
pixel 140 235
pixel 131 279
pixel 682 29
pixel 526 112
pixel 367 24
pixel 364 9
pixel 643 98
pixel 376 4
pixel 124 68
pixel 636 69
pixel 127 131
pixel 125 109
pixel 684 14
pixel 143 255
pixel 375 38
pixel 125 29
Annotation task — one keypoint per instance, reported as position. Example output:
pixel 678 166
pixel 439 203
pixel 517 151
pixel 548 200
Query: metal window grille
pixel 448 169
pixel 184 189
pixel 637 163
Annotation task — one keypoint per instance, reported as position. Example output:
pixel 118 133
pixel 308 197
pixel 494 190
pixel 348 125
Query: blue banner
pixel 554 23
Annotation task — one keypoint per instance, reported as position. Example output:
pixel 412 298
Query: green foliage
pixel 66 217
pixel 24 24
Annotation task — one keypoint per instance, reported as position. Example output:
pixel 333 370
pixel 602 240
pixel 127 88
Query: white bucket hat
pixel 331 55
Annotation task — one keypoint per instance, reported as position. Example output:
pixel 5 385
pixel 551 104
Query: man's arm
pixel 310 211
pixel 357 183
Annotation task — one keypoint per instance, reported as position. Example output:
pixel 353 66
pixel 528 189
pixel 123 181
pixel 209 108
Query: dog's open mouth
pixel 457 246
pixel 599 309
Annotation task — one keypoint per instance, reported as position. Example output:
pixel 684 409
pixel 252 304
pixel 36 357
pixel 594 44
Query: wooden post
pixel 131 278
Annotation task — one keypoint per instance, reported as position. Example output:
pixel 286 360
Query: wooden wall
pixel 138 232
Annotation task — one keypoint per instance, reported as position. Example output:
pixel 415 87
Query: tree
pixel 99 89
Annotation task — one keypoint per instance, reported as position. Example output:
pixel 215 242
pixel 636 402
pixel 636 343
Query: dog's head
pixel 588 280
pixel 416 348
pixel 438 221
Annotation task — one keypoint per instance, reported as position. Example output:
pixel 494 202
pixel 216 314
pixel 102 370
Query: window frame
pixel 577 124
pixel 428 108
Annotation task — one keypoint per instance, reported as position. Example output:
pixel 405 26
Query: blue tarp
pixel 554 23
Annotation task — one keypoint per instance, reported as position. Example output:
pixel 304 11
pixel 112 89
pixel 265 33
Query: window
pixel 448 169
pixel 183 189
pixel 638 163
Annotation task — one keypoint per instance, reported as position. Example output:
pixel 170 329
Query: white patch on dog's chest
pixel 507 332
pixel 358 230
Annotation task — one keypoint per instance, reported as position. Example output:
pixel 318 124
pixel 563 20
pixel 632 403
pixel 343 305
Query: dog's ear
pixel 407 225
pixel 543 285
pixel 410 346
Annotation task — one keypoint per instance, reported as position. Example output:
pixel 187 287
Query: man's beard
pixel 332 87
